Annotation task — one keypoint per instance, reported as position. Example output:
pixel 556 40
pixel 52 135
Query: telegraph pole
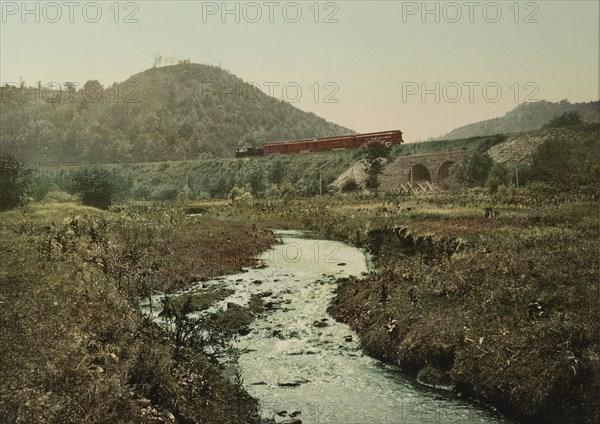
pixel 320 184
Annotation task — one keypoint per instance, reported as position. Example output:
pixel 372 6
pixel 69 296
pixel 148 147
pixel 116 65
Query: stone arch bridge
pixel 419 172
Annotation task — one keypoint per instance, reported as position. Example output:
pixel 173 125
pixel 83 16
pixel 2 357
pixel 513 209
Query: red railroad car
pixel 332 143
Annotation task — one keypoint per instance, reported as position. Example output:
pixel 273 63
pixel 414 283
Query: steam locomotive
pixel 321 144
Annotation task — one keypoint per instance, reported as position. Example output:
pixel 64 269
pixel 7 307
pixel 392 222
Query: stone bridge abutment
pixel 425 170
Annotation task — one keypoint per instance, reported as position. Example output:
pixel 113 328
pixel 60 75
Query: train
pixel 321 144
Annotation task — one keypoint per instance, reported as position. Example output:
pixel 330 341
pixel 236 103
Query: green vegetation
pixel 562 161
pixel 75 347
pixel 503 307
pixel 566 163
pixel 215 178
pixel 374 154
pixel 488 289
pixel 567 119
pixel 179 112
pixel 528 116
pixel 98 187
pixel 12 182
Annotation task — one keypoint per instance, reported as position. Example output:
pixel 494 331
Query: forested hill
pixel 179 112
pixel 526 117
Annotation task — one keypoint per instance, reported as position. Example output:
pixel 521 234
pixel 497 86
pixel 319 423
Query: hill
pixel 526 117
pixel 181 112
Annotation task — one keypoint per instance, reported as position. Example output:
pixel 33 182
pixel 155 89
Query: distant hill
pixel 526 117
pixel 180 112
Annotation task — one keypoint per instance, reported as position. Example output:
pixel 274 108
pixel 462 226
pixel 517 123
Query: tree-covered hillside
pixel 179 112
pixel 526 117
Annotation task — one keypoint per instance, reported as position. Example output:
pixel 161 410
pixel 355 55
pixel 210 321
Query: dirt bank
pixel 509 318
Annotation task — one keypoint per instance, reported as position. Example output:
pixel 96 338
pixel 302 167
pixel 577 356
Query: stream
pixel 305 367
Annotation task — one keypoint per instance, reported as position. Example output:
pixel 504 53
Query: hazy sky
pixel 377 56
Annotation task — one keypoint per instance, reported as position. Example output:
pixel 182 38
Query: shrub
pixel 287 190
pixel 567 119
pixel 239 195
pixel 98 187
pixel 165 193
pixel 12 182
pixel 349 185
pixel 478 167
pixel 564 163
pixel 38 186
pixel 499 175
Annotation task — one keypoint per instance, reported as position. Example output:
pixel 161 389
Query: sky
pixel 422 67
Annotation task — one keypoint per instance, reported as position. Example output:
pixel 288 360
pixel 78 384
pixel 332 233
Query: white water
pixel 336 382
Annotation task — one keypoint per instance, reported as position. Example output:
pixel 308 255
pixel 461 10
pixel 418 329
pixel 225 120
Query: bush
pixel 478 167
pixel 349 185
pixel 567 119
pixel 98 187
pixel 12 183
pixel 165 193
pixel 500 175
pixel 38 186
pixel 239 195
pixel 287 191
pixel 564 163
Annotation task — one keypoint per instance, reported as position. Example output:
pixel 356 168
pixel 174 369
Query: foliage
pixel 565 164
pixel 180 112
pixel 73 277
pixel 500 175
pixel 458 176
pixel 59 197
pixel 98 187
pixel 239 196
pixel 375 154
pixel 287 191
pixel 526 116
pixel 349 184
pixel 478 167
pixel 38 185
pixel 198 331
pixel 567 119
pixel 12 182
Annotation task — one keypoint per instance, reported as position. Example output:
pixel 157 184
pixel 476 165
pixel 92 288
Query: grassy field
pixel 504 309
pixel 76 349
pixel 494 297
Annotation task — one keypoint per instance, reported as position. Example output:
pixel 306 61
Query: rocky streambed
pixel 302 365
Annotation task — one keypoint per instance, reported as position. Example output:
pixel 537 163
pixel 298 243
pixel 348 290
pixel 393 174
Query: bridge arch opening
pixel 444 171
pixel 419 172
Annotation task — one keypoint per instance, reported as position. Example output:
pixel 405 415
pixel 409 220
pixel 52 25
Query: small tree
pixel 478 167
pixel 98 187
pixel 12 183
pixel 567 119
pixel 375 153
pixel 499 175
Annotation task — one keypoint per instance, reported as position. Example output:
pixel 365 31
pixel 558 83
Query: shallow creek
pixel 302 364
